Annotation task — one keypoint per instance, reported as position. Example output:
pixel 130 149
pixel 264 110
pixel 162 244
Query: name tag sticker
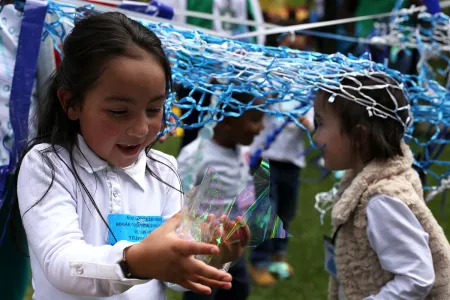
pixel 330 263
pixel 131 228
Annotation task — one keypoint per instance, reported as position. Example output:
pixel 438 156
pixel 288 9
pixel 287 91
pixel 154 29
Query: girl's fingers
pixel 199 268
pixel 212 283
pixel 228 224
pixel 213 232
pixel 224 219
pixel 205 235
pixel 188 248
pixel 210 224
pixel 244 230
pixel 173 223
pixel 211 219
pixel 208 229
pixel 219 235
pixel 233 229
pixel 196 288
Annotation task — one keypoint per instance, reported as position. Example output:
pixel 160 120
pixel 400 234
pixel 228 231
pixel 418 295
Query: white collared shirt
pixel 71 257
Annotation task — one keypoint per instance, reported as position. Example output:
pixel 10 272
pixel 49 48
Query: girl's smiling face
pixel 123 112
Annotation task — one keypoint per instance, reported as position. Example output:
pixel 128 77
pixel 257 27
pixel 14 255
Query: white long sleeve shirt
pixel 71 256
pixel 401 245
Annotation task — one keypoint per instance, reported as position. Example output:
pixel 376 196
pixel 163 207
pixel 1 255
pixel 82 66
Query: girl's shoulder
pixel 52 153
pixel 44 161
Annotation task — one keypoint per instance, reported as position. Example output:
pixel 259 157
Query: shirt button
pixel 80 270
pixel 115 194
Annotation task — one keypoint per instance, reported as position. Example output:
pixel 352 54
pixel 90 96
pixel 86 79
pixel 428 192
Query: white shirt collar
pixel 91 162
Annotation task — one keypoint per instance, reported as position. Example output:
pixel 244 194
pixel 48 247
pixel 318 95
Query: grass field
pixel 306 247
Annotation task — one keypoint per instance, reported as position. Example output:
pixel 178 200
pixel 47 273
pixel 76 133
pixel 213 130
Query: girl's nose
pixel 139 128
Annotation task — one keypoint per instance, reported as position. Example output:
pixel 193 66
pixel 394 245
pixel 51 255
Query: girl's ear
pixel 65 98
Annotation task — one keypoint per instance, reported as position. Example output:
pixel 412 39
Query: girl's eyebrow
pixel 157 98
pixel 119 99
pixel 130 100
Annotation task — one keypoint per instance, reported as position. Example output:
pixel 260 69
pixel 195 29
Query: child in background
pixel 386 242
pixel 286 159
pixel 224 153
pixel 91 190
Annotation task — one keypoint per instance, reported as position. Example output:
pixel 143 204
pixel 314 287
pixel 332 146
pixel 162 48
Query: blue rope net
pixel 429 34
pixel 214 68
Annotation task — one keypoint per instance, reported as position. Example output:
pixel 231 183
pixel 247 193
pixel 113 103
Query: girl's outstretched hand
pixel 164 256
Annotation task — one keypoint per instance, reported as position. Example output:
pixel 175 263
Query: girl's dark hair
pixel 383 136
pixel 93 42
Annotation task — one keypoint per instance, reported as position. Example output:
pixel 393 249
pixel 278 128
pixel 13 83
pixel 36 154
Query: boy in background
pixel 286 159
pixel 225 154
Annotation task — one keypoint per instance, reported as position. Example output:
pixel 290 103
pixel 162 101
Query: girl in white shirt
pixel 94 198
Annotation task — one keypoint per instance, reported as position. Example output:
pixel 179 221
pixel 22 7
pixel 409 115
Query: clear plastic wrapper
pixel 244 222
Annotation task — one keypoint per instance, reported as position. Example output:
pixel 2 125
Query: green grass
pixel 306 247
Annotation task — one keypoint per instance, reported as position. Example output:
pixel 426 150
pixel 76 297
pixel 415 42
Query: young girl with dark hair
pixel 97 203
pixel 386 242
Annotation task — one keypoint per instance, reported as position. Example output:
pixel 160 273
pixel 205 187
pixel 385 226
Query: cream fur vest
pixel 358 268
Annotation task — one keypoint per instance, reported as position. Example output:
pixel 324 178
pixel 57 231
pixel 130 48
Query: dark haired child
pixel 268 261
pixel 225 154
pixel 97 203
pixel 386 243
